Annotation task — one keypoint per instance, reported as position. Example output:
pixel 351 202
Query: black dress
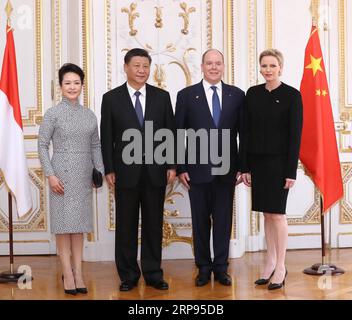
pixel 270 144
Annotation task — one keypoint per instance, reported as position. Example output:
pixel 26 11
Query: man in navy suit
pixel 211 105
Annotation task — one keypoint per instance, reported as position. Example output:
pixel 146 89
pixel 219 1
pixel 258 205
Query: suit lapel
pixel 149 100
pixel 226 102
pixel 203 103
pixel 129 107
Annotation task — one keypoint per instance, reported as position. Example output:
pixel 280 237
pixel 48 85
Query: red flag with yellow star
pixel 319 153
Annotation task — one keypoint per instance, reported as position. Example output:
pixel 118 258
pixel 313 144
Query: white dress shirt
pixel 209 93
pixel 142 97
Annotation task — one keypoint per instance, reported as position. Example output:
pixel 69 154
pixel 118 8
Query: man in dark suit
pixel 211 105
pixel 137 185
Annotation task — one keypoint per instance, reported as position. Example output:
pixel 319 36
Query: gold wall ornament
pixel 184 66
pixel 170 235
pixel 169 230
pixel 269 23
pixel 346 201
pixel 185 16
pixel 160 76
pixel 209 24
pixel 132 16
pixel 159 19
pixel 169 198
pixel 36 220
pixel 35 113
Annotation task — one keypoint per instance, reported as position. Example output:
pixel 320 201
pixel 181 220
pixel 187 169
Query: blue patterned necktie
pixel 138 108
pixel 216 106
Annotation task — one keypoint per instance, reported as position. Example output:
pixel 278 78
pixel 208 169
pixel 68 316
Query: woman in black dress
pixel 270 150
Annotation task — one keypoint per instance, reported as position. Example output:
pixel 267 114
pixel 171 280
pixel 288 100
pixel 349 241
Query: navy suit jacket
pixel 192 112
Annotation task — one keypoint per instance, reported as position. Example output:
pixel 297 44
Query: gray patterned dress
pixel 76 149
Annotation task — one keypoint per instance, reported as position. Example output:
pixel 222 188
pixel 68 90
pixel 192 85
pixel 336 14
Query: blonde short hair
pixel 274 53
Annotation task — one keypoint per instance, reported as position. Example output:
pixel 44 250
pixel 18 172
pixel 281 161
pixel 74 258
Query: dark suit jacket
pixel 192 112
pixel 117 115
pixel 273 125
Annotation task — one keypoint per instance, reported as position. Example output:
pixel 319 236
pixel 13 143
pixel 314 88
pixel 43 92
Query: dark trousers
pixel 211 200
pixel 128 202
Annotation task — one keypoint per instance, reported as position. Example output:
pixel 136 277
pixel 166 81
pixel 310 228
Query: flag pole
pixel 11 276
pixel 322 268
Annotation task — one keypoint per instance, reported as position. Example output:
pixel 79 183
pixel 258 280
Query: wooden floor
pixel 102 280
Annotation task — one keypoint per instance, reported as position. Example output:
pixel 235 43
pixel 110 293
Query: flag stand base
pixel 319 269
pixel 8 277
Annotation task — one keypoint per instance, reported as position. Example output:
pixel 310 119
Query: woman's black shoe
pixel 82 290
pixel 274 286
pixel 262 281
pixel 69 291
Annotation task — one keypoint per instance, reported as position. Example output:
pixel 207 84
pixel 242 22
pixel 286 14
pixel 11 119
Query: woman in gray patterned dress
pixel 76 150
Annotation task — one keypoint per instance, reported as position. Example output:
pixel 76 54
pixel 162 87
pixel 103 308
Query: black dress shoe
pixel 223 278
pixel 72 292
pixel 128 285
pixel 262 281
pixel 82 290
pixel 202 279
pixel 274 286
pixel 159 284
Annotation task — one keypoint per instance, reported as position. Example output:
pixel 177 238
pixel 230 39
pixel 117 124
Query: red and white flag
pixel 13 163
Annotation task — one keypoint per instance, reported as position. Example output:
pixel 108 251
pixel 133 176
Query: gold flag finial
pixel 314 9
pixel 8 10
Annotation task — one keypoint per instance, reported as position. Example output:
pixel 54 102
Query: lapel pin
pixel 277 101
pixel 197 97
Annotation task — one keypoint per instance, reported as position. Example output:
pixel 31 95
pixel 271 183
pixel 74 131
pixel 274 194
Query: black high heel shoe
pixel 274 286
pixel 68 291
pixel 262 281
pixel 82 290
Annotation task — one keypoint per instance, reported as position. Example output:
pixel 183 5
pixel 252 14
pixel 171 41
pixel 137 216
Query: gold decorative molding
pixel 185 16
pixel 345 109
pixel 346 202
pixel 314 9
pixel 108 44
pixel 32 155
pixel 57 38
pixel 234 218
pixel 304 234
pixel 36 220
pixel 312 215
pixel 252 42
pixel 35 116
pixel 253 79
pixel 254 223
pixel 269 23
pixel 132 16
pixel 209 24
pixel 230 42
pixel 25 241
pixel 159 17
pixel 86 50
pixel 31 137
